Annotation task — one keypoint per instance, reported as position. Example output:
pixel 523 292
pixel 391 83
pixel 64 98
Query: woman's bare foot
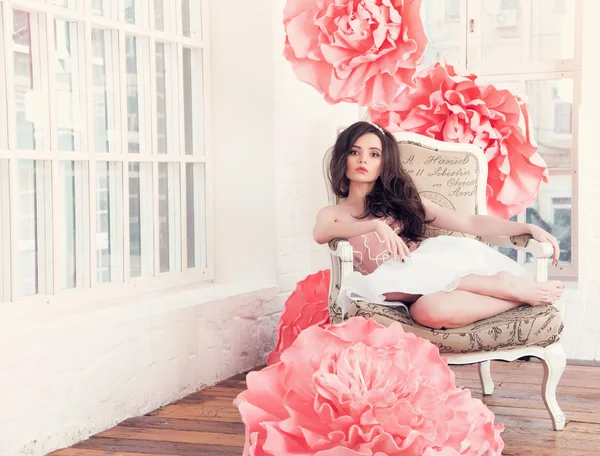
pixel 533 293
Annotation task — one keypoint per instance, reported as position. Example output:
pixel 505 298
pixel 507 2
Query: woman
pixel 447 281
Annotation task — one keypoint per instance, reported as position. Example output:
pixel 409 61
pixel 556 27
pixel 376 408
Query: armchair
pixel 454 176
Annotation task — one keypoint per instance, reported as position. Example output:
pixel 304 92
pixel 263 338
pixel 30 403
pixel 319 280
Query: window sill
pixel 150 300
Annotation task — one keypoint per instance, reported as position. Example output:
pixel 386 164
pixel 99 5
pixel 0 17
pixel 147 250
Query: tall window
pixel 532 47
pixel 103 153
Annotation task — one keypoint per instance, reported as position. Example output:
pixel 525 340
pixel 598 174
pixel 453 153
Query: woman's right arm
pixel 328 227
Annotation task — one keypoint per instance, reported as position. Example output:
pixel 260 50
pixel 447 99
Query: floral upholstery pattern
pixel 523 326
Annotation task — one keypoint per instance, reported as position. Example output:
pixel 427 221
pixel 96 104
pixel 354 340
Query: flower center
pixel 360 378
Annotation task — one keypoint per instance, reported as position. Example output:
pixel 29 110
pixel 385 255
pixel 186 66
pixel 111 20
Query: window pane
pixel 31 102
pixel 553 211
pixel 159 14
pixel 101 7
pixel 136 59
pixel 35 227
pixel 551 108
pixel 166 141
pixel 501 25
pixel 4 233
pixel 109 222
pixel 104 90
pixel 193 101
pixel 70 114
pixel 169 217
pixel 442 22
pixel 66 3
pixel 141 221
pixel 553 30
pixel 191 18
pixel 130 11
pixel 196 215
pixel 73 235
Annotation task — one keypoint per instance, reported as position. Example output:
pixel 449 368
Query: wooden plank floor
pixel 207 424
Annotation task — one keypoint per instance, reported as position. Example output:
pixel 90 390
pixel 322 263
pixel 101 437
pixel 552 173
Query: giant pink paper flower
pixel 305 307
pixel 359 51
pixel 359 389
pixel 457 108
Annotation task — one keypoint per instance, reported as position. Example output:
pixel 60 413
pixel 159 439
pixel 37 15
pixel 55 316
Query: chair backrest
pixel 450 174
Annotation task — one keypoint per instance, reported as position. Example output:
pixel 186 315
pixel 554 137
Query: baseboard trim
pixel 584 362
pixel 575 362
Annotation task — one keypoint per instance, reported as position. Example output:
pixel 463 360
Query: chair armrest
pixel 342 265
pixel 341 248
pixel 523 242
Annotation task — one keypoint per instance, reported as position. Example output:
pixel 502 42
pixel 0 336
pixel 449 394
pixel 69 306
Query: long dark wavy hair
pixel 394 194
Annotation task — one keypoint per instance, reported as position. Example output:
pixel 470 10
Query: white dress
pixel 436 265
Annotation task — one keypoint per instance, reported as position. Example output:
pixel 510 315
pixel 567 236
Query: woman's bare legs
pixel 480 297
pixel 456 308
pixel 513 288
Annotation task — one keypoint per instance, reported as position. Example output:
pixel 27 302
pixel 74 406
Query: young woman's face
pixel 363 163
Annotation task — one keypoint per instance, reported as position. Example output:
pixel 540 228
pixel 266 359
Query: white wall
pixel 582 311
pixel 242 142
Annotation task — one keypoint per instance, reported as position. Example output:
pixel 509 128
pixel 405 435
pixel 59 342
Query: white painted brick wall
pixel 67 377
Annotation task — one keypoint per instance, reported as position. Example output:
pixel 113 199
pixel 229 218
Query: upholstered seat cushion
pixel 523 326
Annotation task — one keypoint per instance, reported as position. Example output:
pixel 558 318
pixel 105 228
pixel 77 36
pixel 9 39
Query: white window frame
pixel 47 12
pixel 470 55
pixel 473 9
pixel 528 71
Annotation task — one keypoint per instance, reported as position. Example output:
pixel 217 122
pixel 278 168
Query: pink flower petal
pixel 447 106
pixel 306 306
pixel 360 388
pixel 357 51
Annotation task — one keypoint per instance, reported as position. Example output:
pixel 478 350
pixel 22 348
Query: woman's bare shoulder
pixel 337 212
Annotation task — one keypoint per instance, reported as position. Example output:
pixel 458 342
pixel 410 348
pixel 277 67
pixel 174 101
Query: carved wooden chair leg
pixel 485 375
pixel 554 361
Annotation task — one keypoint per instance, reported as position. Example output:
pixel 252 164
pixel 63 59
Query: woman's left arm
pixel 485 225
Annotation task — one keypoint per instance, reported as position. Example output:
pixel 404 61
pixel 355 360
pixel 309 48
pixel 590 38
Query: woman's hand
pixel 394 243
pixel 543 236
